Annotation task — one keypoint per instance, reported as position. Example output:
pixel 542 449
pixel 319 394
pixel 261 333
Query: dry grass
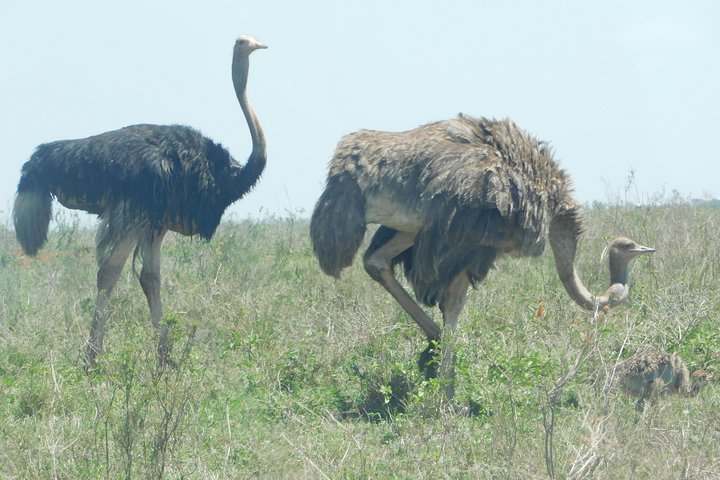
pixel 286 373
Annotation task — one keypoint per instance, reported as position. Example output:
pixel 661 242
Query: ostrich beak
pixel 640 249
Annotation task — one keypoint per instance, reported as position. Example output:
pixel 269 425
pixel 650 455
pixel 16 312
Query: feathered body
pixel 156 174
pixel 651 374
pixel 470 188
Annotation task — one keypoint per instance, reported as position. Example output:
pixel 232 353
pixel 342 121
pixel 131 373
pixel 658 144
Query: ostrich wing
pixel 490 193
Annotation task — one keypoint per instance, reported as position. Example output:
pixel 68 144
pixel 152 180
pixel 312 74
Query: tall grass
pixel 286 373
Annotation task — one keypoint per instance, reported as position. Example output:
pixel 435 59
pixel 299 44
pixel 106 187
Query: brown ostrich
pixel 452 197
pixel 142 181
pixel 651 374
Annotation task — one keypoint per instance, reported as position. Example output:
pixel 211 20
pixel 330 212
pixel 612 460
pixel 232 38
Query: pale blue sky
pixel 614 86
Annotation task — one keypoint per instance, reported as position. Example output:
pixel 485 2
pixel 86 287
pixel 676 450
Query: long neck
pixel 619 270
pixel 563 240
pixel 255 164
pixel 564 249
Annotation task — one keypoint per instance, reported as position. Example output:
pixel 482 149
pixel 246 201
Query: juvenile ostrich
pixel 451 197
pixel 651 374
pixel 142 181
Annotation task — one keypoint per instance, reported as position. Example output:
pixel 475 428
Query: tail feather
pixel 337 227
pixel 31 213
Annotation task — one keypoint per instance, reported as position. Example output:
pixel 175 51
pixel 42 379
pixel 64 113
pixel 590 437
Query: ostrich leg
pixel 150 245
pixel 378 264
pixel 109 269
pixel 451 305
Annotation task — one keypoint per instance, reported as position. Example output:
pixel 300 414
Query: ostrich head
pixel 620 253
pixel 245 44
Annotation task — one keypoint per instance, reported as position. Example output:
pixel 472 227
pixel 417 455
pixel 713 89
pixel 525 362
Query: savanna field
pixel 283 372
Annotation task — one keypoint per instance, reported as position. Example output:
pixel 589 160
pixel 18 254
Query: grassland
pixel 286 373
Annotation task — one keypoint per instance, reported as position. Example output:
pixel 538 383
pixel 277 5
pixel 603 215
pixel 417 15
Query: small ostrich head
pixel 698 380
pixel 246 44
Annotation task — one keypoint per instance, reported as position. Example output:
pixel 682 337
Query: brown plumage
pixel 651 374
pixel 451 198
pixel 142 181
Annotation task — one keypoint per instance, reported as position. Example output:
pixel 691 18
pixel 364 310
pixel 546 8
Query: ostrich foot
pixel 165 346
pixel 429 361
pixel 164 360
pixel 91 354
pixel 433 364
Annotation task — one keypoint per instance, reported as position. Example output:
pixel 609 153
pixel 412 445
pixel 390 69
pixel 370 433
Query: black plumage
pixel 162 175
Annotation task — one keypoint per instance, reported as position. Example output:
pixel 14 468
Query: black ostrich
pixel 142 181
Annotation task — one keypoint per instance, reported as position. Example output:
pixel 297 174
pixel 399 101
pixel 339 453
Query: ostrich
pixel 651 374
pixel 451 197
pixel 142 181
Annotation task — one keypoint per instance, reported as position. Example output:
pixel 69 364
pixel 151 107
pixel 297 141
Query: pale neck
pixel 240 68
pixel 563 241
pixel 619 271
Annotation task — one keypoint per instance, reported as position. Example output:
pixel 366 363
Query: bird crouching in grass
pixel 651 374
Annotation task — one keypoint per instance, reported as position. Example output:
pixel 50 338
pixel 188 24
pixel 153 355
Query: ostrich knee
pixel 378 265
pixel 375 267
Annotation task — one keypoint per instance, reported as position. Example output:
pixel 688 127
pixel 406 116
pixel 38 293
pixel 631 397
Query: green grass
pixel 286 373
